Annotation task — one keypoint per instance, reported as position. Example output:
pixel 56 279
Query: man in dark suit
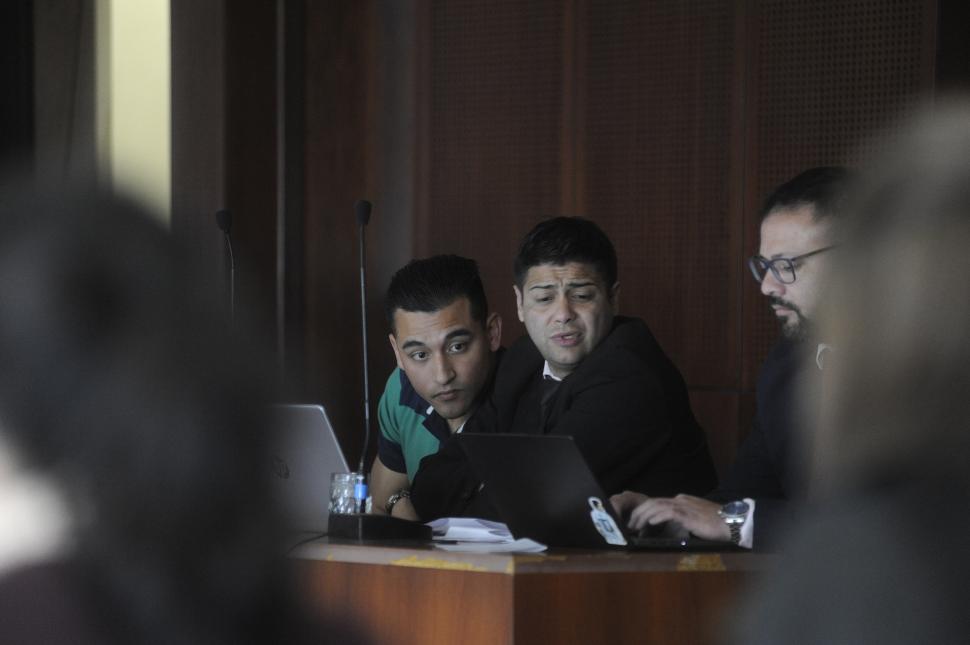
pixel 796 233
pixel 584 372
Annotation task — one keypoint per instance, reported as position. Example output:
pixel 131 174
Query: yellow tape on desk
pixel 698 562
pixel 436 563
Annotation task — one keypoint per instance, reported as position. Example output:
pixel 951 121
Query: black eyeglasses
pixel 782 268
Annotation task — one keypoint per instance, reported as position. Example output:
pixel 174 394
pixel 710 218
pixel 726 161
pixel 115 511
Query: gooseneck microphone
pixel 363 526
pixel 362 210
pixel 224 222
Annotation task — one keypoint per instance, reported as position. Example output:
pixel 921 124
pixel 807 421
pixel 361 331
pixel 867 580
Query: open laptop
pixel 544 490
pixel 305 454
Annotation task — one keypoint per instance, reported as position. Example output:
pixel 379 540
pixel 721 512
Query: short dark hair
pixel 431 284
pixel 561 240
pixel 824 188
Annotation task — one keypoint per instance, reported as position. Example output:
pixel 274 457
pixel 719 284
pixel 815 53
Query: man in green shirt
pixel 445 342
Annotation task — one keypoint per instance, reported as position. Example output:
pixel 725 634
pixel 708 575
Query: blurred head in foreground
pixel 122 404
pixel 883 557
pixel 899 316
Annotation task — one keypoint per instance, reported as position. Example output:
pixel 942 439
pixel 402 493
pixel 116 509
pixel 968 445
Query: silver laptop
pixel 302 460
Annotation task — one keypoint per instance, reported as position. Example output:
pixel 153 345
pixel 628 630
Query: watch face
pixel 735 508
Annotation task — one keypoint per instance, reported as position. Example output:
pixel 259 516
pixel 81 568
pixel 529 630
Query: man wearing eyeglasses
pixel 796 237
pixel 787 267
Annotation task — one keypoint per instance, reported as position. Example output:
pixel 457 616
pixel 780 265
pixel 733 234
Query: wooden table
pixel 418 594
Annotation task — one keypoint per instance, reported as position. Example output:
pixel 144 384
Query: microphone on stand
pixel 362 210
pixel 362 526
pixel 224 222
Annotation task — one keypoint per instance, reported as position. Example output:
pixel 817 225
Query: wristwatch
pixel 735 514
pixel 395 498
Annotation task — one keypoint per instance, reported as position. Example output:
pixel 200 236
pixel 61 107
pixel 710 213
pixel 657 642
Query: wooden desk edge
pixel 553 561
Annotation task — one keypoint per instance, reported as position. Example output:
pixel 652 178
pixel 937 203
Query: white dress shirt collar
pixel 547 372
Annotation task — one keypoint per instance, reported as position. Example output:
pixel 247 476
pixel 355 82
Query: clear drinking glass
pixel 345 493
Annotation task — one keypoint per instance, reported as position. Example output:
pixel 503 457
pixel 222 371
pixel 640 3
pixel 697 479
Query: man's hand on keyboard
pixel 684 512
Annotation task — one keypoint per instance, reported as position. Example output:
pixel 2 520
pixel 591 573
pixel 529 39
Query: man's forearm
pixel 384 483
pixel 404 510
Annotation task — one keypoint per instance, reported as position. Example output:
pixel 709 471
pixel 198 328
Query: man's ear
pixel 493 327
pixel 397 354
pixel 615 298
pixel 518 302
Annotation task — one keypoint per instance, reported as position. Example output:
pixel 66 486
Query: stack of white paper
pixel 479 536
pixel 524 545
pixel 469 529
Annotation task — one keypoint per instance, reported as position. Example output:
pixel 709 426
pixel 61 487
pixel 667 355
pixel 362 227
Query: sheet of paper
pixel 469 529
pixel 523 545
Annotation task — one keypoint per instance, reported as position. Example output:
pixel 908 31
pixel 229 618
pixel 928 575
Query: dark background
pixel 465 122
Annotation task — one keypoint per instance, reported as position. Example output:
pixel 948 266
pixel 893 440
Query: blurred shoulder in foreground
pixel 134 500
pixel 884 560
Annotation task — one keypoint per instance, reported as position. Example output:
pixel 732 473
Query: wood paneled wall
pixel 666 122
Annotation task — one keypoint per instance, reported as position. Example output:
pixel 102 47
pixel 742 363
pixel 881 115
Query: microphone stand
pixel 224 222
pixel 362 209
pixel 362 526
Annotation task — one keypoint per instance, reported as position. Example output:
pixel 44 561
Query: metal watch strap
pixel 395 498
pixel 735 515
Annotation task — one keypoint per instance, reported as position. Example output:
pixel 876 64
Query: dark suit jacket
pixel 626 406
pixel 769 461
